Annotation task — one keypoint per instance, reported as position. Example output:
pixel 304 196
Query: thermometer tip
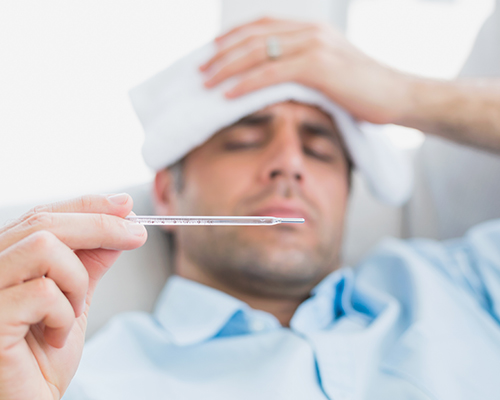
pixel 293 220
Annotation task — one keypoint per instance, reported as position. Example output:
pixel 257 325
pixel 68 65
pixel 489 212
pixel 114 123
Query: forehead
pixel 296 111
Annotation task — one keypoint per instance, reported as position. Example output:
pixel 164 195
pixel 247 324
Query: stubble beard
pixel 256 267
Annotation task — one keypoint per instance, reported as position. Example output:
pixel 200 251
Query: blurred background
pixel 67 127
pixel 66 124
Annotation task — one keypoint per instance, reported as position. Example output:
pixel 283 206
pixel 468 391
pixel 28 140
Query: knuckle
pixel 86 202
pixel 35 210
pixel 8 224
pixel 39 220
pixel 47 288
pixel 43 241
pixel 39 208
pixel 101 222
pixel 317 56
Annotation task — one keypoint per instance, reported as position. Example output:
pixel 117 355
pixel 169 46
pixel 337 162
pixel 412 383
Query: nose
pixel 285 158
pixel 275 173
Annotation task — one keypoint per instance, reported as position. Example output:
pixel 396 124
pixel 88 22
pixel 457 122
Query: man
pixel 265 312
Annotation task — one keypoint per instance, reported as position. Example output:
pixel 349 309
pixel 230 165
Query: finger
pixel 33 302
pixel 239 60
pixel 270 73
pixel 252 38
pixel 97 263
pixel 113 204
pixel 80 231
pixel 42 254
pixel 119 205
pixel 261 24
pixel 239 28
pixel 244 58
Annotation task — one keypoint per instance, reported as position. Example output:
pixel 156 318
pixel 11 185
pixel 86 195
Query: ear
pixel 164 194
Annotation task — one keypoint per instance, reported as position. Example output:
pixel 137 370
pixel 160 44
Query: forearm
pixel 465 111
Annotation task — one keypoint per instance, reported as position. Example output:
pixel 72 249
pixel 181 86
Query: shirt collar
pixel 330 301
pixel 191 312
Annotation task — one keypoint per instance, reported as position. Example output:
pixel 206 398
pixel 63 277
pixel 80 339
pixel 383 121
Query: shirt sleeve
pixel 472 263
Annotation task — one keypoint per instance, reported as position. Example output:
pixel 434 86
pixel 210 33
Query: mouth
pixel 282 211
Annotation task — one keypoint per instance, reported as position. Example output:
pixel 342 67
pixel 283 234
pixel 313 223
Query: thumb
pixel 97 262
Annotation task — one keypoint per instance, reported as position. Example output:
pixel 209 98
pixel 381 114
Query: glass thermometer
pixel 209 220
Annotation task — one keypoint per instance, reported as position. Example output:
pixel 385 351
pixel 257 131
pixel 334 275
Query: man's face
pixel 286 160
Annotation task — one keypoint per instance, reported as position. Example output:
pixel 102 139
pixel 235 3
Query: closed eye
pixel 322 156
pixel 244 138
pixel 241 145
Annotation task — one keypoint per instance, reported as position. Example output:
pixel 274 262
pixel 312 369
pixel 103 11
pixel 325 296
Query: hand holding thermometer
pixel 209 220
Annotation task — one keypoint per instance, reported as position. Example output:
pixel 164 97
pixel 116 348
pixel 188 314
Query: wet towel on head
pixel 178 114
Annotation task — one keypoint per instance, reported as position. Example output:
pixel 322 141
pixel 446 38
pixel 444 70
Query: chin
pixel 289 262
pixel 285 261
pixel 283 250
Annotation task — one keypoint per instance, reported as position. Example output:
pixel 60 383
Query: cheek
pixel 332 192
pixel 214 187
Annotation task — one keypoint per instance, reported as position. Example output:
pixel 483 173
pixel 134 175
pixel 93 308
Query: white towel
pixel 178 114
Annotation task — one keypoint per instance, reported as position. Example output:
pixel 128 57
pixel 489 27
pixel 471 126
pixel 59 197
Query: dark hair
pixel 177 174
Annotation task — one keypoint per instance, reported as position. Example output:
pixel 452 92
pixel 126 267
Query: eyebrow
pixel 254 120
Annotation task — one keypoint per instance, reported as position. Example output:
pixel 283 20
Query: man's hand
pixel 315 55
pixel 50 262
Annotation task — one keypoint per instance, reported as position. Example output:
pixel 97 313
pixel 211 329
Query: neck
pixel 282 308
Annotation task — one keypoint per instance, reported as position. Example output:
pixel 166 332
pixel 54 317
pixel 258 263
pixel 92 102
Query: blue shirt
pixel 416 320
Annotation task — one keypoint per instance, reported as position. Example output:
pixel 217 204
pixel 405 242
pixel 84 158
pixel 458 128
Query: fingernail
pixel 136 229
pixel 118 199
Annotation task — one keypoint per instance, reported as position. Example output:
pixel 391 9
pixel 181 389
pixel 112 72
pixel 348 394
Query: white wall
pixel 66 125
pixel 425 37
pixel 236 12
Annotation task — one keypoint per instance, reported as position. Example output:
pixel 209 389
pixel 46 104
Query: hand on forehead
pixel 179 114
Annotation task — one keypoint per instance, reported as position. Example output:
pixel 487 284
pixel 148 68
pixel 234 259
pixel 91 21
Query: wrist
pixel 423 98
pixel 408 99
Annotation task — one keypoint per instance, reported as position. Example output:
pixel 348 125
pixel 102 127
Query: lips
pixel 281 211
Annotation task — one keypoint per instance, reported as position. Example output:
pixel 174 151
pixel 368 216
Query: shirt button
pixel 257 325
